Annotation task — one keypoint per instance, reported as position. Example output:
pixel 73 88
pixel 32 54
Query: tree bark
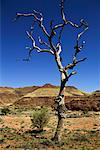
pixel 58 133
pixel 60 109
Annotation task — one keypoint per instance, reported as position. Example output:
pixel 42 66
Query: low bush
pixel 4 111
pixel 40 118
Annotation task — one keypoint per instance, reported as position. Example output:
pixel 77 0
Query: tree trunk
pixel 60 109
pixel 58 133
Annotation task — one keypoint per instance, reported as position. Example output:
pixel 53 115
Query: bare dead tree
pixel 55 50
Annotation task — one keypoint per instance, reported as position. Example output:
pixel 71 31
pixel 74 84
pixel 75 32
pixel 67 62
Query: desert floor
pixel 81 131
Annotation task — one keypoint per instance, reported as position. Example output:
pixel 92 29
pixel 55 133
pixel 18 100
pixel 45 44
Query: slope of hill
pixel 96 93
pixel 6 89
pixel 52 91
pixel 45 95
pixel 73 91
pixel 7 95
pixel 24 90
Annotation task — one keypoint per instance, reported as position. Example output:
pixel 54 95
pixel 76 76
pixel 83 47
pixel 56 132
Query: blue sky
pixel 42 67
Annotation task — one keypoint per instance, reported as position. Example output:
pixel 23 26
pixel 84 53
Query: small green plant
pixel 5 111
pixel 1 120
pixel 1 140
pixel 86 112
pixel 40 118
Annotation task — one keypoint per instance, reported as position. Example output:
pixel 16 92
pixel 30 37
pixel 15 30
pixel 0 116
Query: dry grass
pixel 79 133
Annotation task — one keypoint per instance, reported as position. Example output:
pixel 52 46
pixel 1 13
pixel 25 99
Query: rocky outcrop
pixel 44 96
pixel 72 103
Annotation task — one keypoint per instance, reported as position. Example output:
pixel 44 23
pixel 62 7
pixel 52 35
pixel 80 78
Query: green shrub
pixel 40 118
pixel 4 111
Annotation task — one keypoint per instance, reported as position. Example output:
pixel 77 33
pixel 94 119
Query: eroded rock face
pixel 9 95
pixel 83 105
pixel 72 103
pixel 24 97
pixel 8 98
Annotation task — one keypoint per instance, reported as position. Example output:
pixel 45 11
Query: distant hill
pixel 8 95
pixel 44 95
pixel 49 90
pixel 96 93
pixel 48 85
pixel 24 90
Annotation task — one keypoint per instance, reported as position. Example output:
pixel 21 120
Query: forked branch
pixel 62 25
pixel 38 17
pixel 55 49
pixel 35 47
pixel 74 63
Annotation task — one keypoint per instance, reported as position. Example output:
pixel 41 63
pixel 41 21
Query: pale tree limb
pixel 43 42
pixel 39 20
pixel 65 22
pixel 37 48
pixel 75 62
pixel 78 48
pixel 62 10
pixel 82 22
pixel 59 49
pixel 60 33
pixel 55 50
pixel 40 23
pixel 62 25
pixel 72 73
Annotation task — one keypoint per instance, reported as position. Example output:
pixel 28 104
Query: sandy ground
pixel 22 123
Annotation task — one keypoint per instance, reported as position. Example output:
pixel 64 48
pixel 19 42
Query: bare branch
pixel 51 24
pixel 58 26
pixel 81 33
pixel 34 46
pixel 74 24
pixel 65 22
pixel 72 73
pixel 38 19
pixel 62 25
pixel 62 11
pixel 78 61
pixel 43 42
pixel 75 62
pixel 60 34
pixel 51 48
pixel 82 22
pixel 78 47
pixel 58 47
